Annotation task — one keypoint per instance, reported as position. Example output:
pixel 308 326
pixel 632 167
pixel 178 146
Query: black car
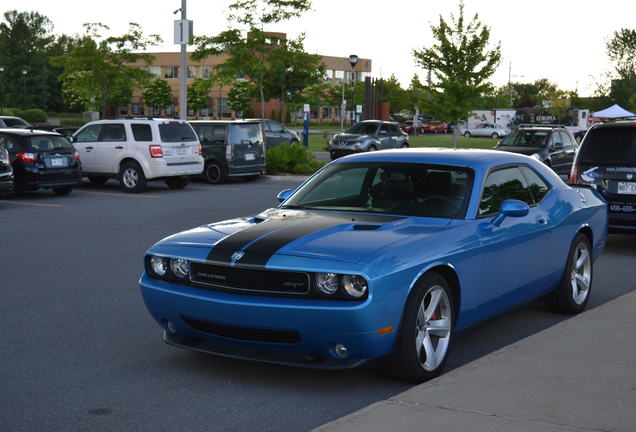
pixel 276 133
pixel 554 146
pixel 41 159
pixel 6 174
pixel 231 149
pixel 606 160
pixel 66 131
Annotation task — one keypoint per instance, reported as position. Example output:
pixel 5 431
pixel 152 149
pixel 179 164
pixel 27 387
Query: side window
pixel 275 126
pixel 218 133
pixel 395 130
pixel 384 128
pixel 565 139
pixel 500 185
pixel 88 134
pixel 9 144
pixel 538 187
pixel 141 131
pixel 113 132
pixel 269 127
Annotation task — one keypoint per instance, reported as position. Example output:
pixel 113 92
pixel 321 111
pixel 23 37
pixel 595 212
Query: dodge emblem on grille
pixel 237 255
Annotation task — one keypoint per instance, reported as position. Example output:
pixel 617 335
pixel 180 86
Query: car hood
pixel 338 236
pixel 521 150
pixel 349 137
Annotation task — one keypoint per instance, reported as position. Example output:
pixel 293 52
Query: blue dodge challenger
pixel 379 255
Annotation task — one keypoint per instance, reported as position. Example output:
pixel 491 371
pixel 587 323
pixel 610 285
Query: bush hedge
pixel 291 158
pixel 34 115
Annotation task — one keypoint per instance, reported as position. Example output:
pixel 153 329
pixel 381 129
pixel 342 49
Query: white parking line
pixel 30 203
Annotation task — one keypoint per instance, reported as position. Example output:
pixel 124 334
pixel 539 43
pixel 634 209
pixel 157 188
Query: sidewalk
pixel 579 375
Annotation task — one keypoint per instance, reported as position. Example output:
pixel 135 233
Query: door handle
pixel 542 220
pixel 89 148
pixel 119 147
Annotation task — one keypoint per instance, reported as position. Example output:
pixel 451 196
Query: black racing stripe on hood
pixel 283 231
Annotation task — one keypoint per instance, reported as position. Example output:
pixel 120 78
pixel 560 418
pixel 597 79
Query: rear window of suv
pixel 612 146
pixel 46 143
pixel 176 132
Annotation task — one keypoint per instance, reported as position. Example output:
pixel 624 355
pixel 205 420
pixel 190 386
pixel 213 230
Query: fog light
pixel 171 327
pixel 180 267
pixel 158 265
pixel 341 350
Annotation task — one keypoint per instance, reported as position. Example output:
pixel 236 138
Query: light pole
pixel 1 90
pixel 353 59
pixel 24 74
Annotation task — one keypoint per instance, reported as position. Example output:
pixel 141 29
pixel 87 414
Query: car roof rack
pixel 139 117
pixel 553 126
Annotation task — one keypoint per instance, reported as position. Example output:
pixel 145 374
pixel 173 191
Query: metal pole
pixel 343 107
pixel 183 73
pixel 24 74
pixel 353 104
pixel 510 82
pixel 1 90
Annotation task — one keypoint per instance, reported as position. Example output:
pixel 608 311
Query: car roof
pixel 615 123
pixel 225 121
pixel 474 158
pixel 28 132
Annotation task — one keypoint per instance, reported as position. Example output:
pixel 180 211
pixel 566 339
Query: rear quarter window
pixel 612 146
pixel 141 131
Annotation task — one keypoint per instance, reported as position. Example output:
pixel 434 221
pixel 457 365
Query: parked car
pixel 41 159
pixel 13 122
pixel 492 130
pixel 606 161
pixel 6 173
pixel 66 131
pixel 276 133
pixel 436 127
pixel 554 146
pixel 231 149
pixel 379 255
pixel 368 135
pixel 135 150
pixel 408 128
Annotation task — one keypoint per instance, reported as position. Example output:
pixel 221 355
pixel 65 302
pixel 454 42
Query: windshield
pixel 176 132
pixel 392 188
pixel 526 138
pixel 615 146
pixel 363 128
pixel 47 143
pixel 245 133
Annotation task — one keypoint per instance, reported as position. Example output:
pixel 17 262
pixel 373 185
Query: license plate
pixel 626 188
pixel 249 156
pixel 182 151
pixel 57 162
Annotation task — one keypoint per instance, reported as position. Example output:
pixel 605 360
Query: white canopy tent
pixel 615 111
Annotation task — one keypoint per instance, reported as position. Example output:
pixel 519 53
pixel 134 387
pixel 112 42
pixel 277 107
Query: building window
pixel 206 71
pixel 155 70
pixel 222 109
pixel 192 71
pixel 171 111
pixel 360 76
pixel 339 75
pixel 137 108
pixel 123 110
pixel 328 76
pixel 170 71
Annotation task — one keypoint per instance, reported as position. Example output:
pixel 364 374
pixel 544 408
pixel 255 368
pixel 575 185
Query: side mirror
pixel 283 195
pixel 510 208
pixel 558 146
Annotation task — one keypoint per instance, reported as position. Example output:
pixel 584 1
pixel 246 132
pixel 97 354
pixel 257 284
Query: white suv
pixel 135 150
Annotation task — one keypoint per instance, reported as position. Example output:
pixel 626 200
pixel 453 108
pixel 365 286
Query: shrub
pixel 291 158
pixel 34 115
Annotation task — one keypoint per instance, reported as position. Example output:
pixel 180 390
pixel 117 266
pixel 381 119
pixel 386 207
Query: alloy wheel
pixel 433 328
pixel 130 178
pixel 580 273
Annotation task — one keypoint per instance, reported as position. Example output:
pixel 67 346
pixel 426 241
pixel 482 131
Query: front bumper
pixel 319 324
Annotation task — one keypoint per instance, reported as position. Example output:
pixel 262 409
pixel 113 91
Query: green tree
pixel 157 94
pixel 460 62
pixel 95 73
pixel 621 50
pixel 396 95
pixel 239 97
pixel 419 95
pixel 248 55
pixel 24 40
pixel 199 93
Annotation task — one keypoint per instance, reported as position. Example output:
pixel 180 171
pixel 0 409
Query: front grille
pixel 243 333
pixel 249 279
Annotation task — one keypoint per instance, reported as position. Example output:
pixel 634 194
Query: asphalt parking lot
pixel 80 351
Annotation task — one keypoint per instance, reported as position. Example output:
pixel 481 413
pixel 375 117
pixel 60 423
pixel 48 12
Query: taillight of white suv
pixel 155 151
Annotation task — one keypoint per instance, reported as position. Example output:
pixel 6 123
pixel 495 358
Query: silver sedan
pixel 492 130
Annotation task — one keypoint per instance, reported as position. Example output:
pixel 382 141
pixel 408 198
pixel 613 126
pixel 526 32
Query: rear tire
pixel 575 287
pixel 213 173
pixel 178 182
pixel 426 331
pixel 467 134
pixel 98 180
pixel 372 148
pixel 65 190
pixel 132 178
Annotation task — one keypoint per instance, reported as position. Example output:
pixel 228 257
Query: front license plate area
pixel 249 156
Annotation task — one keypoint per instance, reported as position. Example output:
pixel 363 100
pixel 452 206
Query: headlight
pixel 536 156
pixel 159 265
pixel 357 146
pixel 354 285
pixel 327 283
pixel 180 267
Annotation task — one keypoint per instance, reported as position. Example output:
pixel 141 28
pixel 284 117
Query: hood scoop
pixel 366 227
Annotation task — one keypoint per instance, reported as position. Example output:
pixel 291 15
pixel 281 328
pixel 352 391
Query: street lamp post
pixel 353 59
pixel 24 74
pixel 1 90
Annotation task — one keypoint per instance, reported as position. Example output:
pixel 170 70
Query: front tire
pixel 467 134
pixel 132 178
pixel 426 331
pixel 495 135
pixel 575 287
pixel 177 182
pixel 65 190
pixel 372 148
pixel 213 173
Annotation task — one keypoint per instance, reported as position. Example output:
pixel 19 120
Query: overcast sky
pixel 562 40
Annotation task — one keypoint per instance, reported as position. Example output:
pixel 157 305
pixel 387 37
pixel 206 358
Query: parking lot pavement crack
pixel 501 416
